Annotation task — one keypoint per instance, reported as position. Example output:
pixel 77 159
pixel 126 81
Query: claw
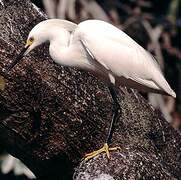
pixel 105 149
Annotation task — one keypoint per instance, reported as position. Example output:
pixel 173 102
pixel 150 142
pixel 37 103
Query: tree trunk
pixel 51 116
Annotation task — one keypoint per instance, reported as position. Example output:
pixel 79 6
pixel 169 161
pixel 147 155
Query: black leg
pixel 115 116
pixel 115 111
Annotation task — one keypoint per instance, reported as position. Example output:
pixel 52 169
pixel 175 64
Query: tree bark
pixel 51 115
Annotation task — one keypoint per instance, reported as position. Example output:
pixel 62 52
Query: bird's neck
pixel 60 50
pixel 67 51
pixel 59 38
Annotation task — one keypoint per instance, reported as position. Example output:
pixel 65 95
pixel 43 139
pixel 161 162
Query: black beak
pixel 18 58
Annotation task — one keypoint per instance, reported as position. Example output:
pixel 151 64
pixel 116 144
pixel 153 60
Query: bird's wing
pixel 121 55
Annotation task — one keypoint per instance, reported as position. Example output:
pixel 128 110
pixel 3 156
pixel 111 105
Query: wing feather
pixel 121 55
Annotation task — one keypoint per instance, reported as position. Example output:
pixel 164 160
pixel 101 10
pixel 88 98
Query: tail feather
pixel 161 82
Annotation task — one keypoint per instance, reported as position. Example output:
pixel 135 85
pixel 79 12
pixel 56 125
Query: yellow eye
pixel 31 39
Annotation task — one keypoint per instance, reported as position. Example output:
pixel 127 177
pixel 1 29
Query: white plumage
pixel 105 50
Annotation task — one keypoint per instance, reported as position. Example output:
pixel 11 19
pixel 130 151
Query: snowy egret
pixel 106 51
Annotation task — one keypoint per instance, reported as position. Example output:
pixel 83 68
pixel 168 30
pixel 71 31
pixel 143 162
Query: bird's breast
pixel 72 56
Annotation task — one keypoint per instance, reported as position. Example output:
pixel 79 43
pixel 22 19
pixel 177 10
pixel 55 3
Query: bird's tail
pixel 163 84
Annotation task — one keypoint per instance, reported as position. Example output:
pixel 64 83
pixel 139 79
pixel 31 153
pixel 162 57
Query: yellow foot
pixel 105 149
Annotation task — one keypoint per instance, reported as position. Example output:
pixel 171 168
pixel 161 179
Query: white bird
pixel 103 49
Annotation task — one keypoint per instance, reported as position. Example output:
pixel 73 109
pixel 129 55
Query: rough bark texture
pixel 51 116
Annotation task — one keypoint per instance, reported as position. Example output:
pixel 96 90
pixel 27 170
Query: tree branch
pixel 51 116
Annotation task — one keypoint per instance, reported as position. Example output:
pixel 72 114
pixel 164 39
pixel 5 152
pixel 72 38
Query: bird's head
pixel 38 35
pixel 42 32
